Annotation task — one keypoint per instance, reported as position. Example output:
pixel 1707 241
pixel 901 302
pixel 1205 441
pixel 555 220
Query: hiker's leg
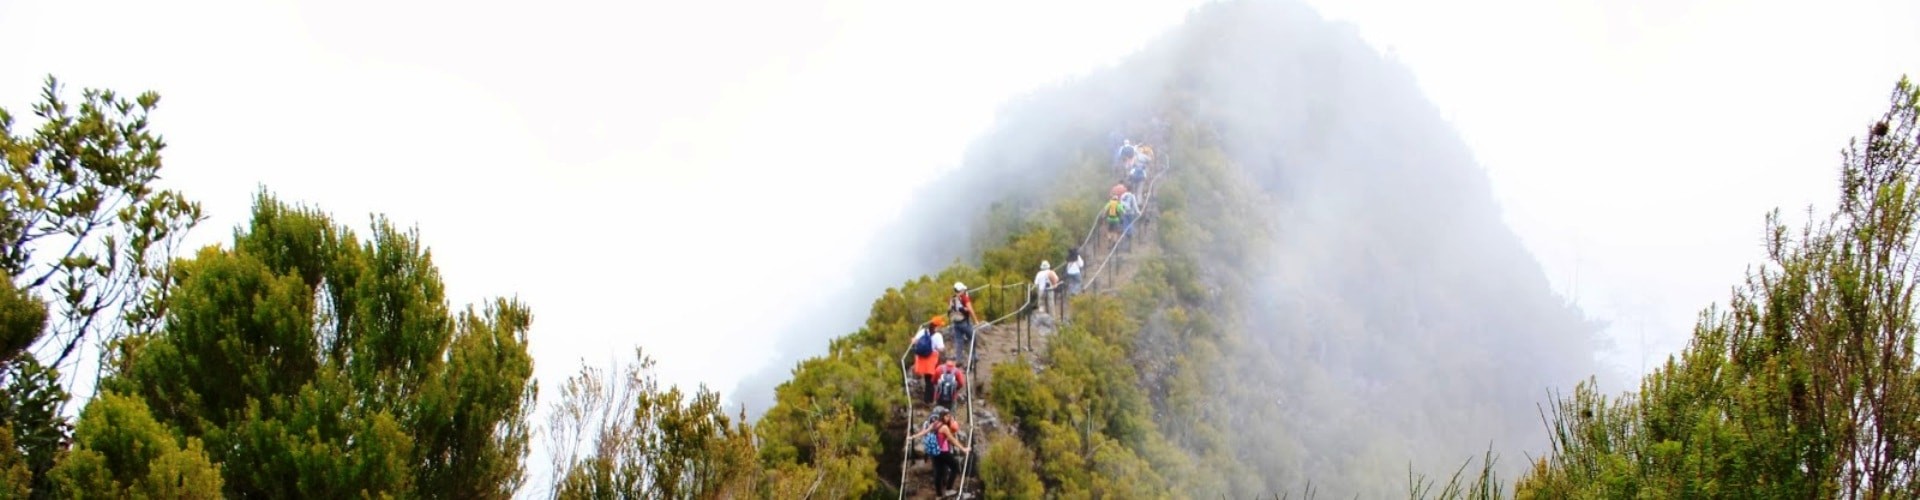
pixel 940 474
pixel 943 472
pixel 951 467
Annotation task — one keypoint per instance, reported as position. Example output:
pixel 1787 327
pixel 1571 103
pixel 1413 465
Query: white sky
pixel 1636 145
pixel 685 176
pixel 620 165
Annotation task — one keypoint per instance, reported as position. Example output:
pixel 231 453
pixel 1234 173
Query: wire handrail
pixel 906 385
pixel 1153 184
pixel 906 379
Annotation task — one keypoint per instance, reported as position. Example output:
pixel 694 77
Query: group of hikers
pixel 945 383
pixel 936 364
pixel 1134 161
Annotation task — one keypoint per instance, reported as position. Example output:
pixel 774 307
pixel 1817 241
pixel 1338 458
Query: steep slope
pixel 1413 325
pixel 1327 295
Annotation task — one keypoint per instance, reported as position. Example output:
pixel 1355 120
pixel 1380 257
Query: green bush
pixel 1008 472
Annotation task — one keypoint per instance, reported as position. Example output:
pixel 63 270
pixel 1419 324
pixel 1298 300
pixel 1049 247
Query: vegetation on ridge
pixel 307 359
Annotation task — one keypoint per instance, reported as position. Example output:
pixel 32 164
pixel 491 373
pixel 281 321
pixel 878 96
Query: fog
pixel 730 190
pixel 710 181
pixel 1411 326
pixel 1395 322
pixel 1402 323
pixel 1016 162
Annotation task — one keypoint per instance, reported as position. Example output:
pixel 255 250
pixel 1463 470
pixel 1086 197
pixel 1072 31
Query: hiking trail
pixel 1004 340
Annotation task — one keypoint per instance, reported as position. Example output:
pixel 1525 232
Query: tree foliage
pixel 315 365
pixel 81 219
pixel 644 441
pixel 1008 471
pixel 85 236
pixel 121 451
pixel 1804 386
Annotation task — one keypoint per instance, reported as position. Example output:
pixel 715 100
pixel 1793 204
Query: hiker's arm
pixel 954 437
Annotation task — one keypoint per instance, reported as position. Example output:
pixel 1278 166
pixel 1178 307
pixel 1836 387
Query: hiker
pixel 1073 271
pixel 1125 156
pixel 950 384
pixel 940 439
pixel 1044 283
pixel 962 304
pixel 1112 212
pixel 932 418
pixel 1137 172
pixel 1130 209
pixel 927 346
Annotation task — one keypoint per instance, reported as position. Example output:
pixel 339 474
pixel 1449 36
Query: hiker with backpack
pixel 940 439
pixel 1125 156
pixel 961 304
pixel 927 346
pixel 1137 169
pixel 950 385
pixel 1112 213
pixel 1044 284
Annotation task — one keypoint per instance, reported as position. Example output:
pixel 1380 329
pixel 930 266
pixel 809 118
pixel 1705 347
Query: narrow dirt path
pixel 995 344
pixel 1005 342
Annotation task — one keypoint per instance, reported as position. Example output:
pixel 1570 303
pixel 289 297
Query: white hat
pixel 1044 265
pixel 959 287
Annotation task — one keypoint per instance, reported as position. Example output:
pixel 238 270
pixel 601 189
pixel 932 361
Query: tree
pixel 83 230
pixel 1008 471
pixel 314 365
pixel 1804 386
pixel 79 213
pixel 645 442
pixel 120 451
pixel 16 481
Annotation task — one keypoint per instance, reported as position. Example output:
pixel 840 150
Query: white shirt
pixel 1044 280
pixel 1073 267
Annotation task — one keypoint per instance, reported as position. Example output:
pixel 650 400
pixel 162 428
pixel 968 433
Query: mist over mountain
pixel 1315 293
pixel 1402 318
pixel 1016 164
pixel 1374 313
